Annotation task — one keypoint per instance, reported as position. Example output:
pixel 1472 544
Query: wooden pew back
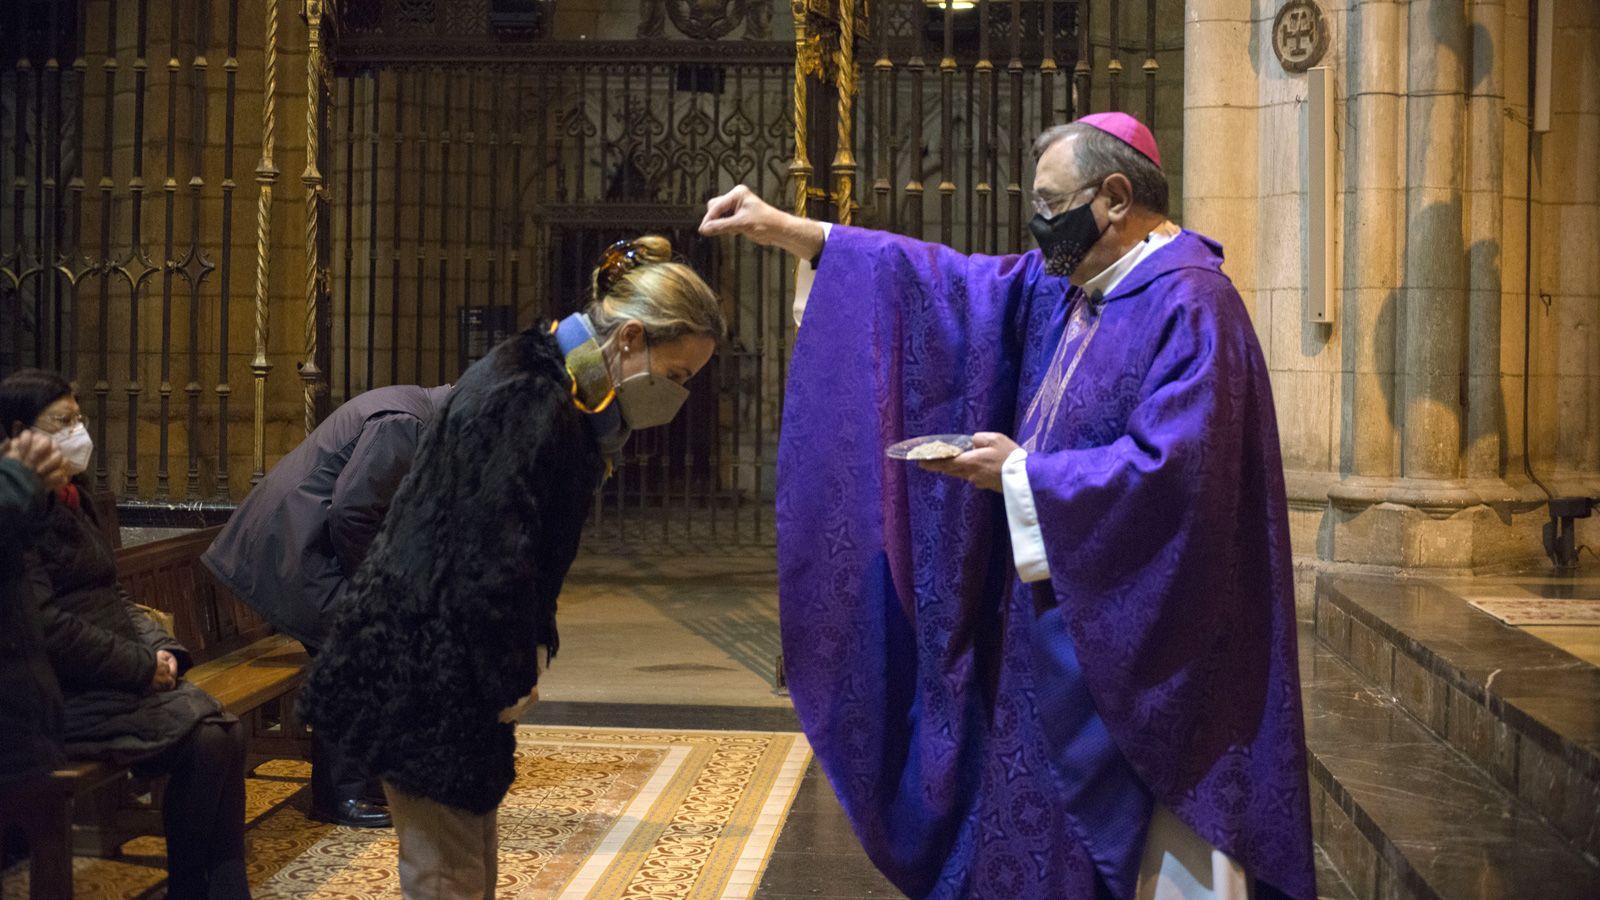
pixel 167 575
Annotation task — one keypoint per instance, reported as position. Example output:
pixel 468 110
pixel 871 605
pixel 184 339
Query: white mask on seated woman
pixel 76 445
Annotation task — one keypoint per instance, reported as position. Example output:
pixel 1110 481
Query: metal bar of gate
pixel 1114 59
pixel 424 137
pixel 887 127
pixel 195 265
pixel 399 194
pixel 1047 66
pixel 169 188
pixel 27 81
pixel 444 220
pixel 539 274
pixel 470 209
pixel 1014 184
pixel 74 260
pixel 917 66
pixel 985 186
pixel 348 138
pixel 947 145
pixel 1083 72
pixel 102 385
pixel 515 232
pixel 11 260
pixel 991 156
pixel 497 89
pixel 230 68
pixel 1150 64
pixel 47 324
pixel 374 86
pixel 967 140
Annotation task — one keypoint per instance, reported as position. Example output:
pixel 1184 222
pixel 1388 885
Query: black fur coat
pixel 437 632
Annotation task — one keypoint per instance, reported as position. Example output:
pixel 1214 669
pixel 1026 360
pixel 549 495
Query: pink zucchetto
pixel 1126 129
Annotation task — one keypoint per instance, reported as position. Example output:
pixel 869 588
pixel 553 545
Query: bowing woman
pixel 438 641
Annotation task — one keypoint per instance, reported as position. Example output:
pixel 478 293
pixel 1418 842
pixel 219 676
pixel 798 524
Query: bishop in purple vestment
pixel 1062 664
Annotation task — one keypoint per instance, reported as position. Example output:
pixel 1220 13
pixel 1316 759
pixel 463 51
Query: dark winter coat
pixel 290 546
pixel 437 633
pixel 30 699
pixel 103 648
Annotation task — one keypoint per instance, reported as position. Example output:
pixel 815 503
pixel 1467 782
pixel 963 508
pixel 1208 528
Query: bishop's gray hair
pixel 1099 154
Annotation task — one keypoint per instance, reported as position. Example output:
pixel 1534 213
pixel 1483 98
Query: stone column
pixel 1422 482
pixel 1373 236
pixel 1434 315
pixel 1221 184
pixel 1485 237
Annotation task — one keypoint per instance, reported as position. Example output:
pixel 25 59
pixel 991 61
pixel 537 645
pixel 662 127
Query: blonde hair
pixel 637 279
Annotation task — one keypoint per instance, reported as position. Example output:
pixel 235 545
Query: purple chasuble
pixel 993 739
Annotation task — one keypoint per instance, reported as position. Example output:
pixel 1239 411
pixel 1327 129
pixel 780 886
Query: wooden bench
pixel 238 659
pixel 251 671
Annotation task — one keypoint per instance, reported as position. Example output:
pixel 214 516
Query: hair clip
pixel 618 259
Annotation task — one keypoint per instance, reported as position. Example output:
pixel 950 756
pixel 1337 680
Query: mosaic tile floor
pixel 595 813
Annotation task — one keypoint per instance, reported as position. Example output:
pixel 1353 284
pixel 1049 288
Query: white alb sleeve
pixel 804 275
pixel 1027 541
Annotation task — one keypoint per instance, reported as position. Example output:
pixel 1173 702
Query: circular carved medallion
pixel 1299 35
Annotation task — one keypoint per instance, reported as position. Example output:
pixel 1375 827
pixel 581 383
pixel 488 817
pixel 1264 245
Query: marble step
pixel 1403 816
pixel 1524 711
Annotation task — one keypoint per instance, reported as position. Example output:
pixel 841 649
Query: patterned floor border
pixel 596 814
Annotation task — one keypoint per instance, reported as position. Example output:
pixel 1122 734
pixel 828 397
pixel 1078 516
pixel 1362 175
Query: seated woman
pixel 120 673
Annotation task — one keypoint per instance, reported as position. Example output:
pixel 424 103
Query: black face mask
pixel 1066 238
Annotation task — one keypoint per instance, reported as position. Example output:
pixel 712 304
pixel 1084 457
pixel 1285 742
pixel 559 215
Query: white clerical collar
pixel 1107 281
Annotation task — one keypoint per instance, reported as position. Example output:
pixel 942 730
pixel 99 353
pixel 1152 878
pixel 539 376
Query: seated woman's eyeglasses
pixel 70 420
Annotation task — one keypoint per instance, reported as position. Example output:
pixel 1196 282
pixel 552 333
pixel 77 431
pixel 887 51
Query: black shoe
pixel 353 814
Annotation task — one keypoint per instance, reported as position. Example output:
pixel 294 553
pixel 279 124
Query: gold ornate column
pixel 824 48
pixel 267 178
pixel 311 178
pixel 844 157
pixel 807 62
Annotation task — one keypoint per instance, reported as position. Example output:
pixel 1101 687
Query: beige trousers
pixel 445 853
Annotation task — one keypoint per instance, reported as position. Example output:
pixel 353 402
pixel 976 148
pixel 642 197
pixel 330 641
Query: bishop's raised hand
pixel 740 212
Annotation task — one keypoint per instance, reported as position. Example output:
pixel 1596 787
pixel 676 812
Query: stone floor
pixel 1580 641
pixel 1453 755
pixel 659 630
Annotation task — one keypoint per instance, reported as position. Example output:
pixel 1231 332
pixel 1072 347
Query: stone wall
pixel 1402 421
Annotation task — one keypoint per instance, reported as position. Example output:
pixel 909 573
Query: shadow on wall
pixel 1460 333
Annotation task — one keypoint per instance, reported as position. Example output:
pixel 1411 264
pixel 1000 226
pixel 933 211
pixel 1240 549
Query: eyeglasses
pixel 71 420
pixel 1049 210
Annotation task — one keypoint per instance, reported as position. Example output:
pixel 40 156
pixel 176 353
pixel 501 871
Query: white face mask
pixel 647 399
pixel 76 445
